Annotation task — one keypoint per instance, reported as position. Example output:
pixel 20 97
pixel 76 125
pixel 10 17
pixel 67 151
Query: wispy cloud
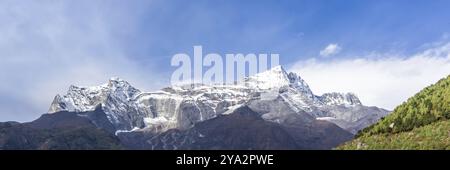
pixel 386 81
pixel 46 46
pixel 330 49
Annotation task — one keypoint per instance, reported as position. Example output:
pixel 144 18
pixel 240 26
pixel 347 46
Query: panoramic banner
pixel 225 83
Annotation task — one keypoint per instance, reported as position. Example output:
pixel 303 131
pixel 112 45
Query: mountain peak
pixel 118 82
pixel 278 77
pixel 278 68
pixel 335 98
pixel 275 77
pixel 80 98
pixel 128 108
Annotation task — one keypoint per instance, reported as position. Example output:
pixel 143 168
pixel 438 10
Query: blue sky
pixel 295 29
pixel 46 46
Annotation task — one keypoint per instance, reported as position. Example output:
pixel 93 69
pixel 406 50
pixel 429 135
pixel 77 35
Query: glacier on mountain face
pixel 181 107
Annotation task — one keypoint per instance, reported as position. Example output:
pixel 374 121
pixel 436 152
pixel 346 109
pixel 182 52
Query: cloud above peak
pixel 384 81
pixel 330 49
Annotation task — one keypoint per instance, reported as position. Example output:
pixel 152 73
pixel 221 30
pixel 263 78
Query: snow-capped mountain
pixel 116 97
pixel 181 107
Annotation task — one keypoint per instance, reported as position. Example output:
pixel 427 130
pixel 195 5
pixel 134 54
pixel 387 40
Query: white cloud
pixel 385 82
pixel 330 50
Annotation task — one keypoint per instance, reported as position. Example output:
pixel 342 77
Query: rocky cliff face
pixel 181 107
pixel 270 110
pixel 244 129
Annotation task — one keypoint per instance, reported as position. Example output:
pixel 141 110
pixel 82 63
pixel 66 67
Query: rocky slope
pixel 181 107
pixel 62 130
pixel 247 128
pixel 270 110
